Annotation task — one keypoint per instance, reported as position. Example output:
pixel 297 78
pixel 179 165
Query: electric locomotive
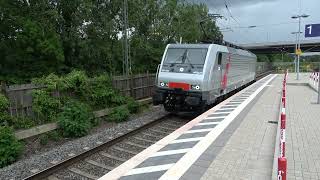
pixel 193 76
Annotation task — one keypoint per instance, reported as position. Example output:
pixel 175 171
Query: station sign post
pixel 313 30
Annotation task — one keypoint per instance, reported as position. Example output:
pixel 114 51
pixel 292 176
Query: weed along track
pixel 96 162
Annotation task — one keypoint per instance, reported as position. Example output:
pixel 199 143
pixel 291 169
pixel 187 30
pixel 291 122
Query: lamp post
pixel 299 45
pixel 296 46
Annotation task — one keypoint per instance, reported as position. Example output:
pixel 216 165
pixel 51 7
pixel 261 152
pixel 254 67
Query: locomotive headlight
pixel 195 87
pixel 164 84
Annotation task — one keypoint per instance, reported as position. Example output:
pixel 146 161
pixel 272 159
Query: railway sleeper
pixel 136 145
pixel 146 140
pixel 167 128
pixel 151 135
pixel 95 163
pixel 112 156
pixel 83 174
pixel 124 150
pixel 157 131
pixel 174 126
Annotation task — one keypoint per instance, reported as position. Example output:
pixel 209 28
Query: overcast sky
pixel 272 18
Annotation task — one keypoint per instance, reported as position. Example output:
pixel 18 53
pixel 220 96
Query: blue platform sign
pixel 312 30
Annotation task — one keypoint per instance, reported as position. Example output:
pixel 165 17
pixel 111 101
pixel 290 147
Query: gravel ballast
pixel 39 162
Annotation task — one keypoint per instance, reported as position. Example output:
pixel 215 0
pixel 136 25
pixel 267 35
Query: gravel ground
pixel 40 161
pixel 66 175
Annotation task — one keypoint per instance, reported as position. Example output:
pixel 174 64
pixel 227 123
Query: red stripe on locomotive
pixel 183 86
pixel 225 75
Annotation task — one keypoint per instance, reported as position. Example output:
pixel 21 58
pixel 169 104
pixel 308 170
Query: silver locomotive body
pixel 192 76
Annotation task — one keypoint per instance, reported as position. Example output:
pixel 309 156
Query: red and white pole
pixel 282 168
pixel 283 99
pixel 282 161
pixel 283 134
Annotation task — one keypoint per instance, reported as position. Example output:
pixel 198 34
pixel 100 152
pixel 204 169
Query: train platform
pixel 303 129
pixel 236 139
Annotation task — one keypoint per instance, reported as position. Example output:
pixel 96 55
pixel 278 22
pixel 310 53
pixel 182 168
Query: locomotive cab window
pixel 185 60
pixel 219 58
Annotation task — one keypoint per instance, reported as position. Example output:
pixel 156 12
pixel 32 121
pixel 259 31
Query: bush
pixel 118 100
pixel 99 92
pixel 54 135
pixel 10 147
pixel 119 114
pixel 44 139
pixel 75 119
pixel 4 103
pixel 22 122
pixel 17 122
pixel 74 80
pixel 5 119
pixel 52 82
pixel 133 106
pixel 49 136
pixel 45 105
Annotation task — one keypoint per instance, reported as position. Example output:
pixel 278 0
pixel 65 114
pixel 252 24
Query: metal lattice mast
pixel 126 63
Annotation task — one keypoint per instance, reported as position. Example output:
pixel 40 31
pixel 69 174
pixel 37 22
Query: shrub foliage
pixel 133 105
pixel 75 119
pixel 5 119
pixel 10 148
pixel 4 103
pixel 46 105
pixel 96 91
pixel 119 114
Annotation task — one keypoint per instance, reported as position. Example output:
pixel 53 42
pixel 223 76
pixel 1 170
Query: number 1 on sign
pixel 310 29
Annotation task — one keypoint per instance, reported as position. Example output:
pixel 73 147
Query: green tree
pixel 55 36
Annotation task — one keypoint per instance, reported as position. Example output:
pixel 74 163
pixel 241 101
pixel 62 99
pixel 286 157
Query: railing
pixel 282 160
pixel 314 80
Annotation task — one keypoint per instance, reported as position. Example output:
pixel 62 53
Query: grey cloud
pixel 272 16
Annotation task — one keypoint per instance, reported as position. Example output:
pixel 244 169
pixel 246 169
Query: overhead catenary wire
pixel 265 25
pixel 229 11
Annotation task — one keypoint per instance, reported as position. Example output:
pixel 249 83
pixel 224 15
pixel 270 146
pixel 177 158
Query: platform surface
pixel 233 139
pixel 249 152
pixel 303 131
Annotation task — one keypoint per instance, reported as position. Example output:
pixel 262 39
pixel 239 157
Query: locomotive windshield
pixel 185 60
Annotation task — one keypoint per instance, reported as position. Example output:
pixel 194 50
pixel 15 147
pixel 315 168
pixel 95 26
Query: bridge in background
pixel 312 45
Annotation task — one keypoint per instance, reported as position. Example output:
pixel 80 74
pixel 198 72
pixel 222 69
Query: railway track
pixel 96 162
